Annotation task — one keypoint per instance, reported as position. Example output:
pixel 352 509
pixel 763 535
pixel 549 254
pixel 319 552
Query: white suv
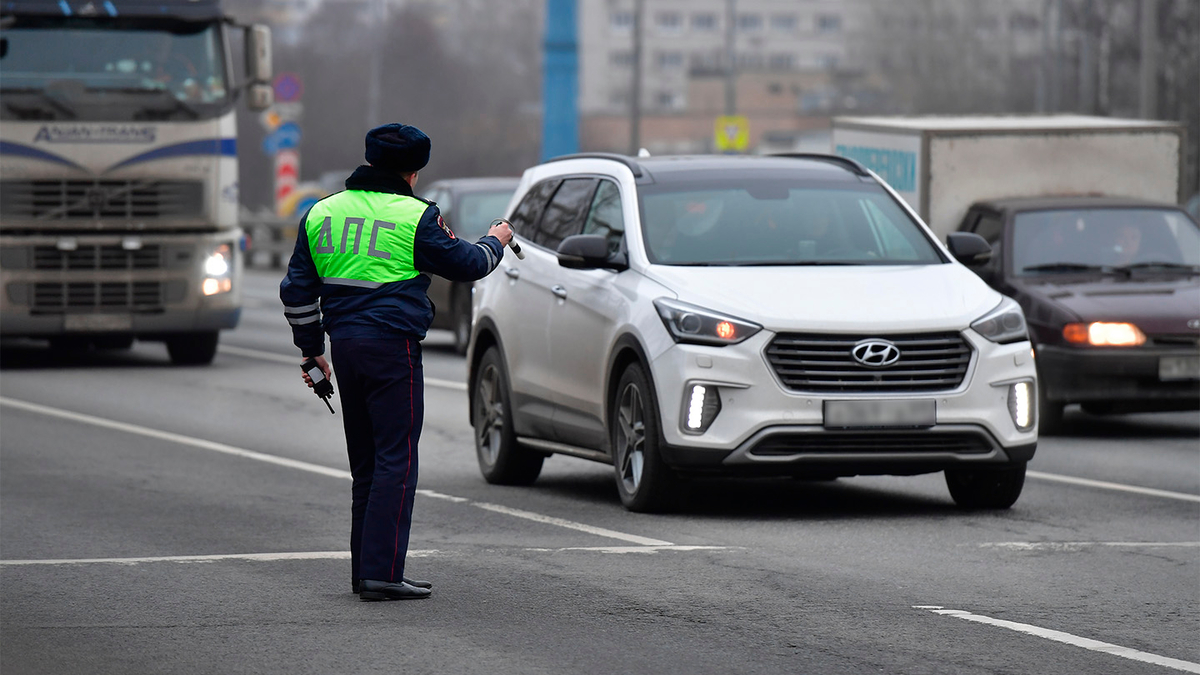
pixel 680 316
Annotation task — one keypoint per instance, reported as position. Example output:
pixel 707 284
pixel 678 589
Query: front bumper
pixel 1126 377
pixel 764 428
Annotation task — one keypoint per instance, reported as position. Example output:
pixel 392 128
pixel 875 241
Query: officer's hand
pixel 502 231
pixel 323 365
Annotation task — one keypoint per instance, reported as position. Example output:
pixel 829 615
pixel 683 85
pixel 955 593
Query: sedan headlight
pixel 689 323
pixel 1004 324
pixel 1104 334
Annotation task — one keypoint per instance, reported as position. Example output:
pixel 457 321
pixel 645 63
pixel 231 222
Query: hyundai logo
pixel 875 353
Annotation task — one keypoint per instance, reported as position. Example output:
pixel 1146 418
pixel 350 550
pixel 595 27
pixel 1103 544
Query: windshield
pixel 779 222
pixel 1050 242
pixel 104 69
pixel 476 211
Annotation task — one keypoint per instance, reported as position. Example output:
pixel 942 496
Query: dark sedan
pixel 1111 292
pixel 468 206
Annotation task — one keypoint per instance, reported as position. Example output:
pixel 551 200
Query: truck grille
pixel 112 257
pixel 823 363
pixel 99 199
pixel 901 441
pixel 141 296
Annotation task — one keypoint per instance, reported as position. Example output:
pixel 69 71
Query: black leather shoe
pixel 411 582
pixel 390 590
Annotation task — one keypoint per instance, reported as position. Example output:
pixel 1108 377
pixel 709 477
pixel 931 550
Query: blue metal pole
pixel 560 80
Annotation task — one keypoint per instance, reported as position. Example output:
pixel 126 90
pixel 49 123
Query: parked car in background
pixel 790 316
pixel 1111 291
pixel 468 206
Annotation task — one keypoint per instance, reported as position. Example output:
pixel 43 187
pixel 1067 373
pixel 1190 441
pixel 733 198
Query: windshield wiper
pixel 49 103
pixel 1157 264
pixel 1066 267
pixel 176 103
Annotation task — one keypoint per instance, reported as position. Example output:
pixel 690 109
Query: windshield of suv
pixel 757 221
pixel 104 69
pixel 476 210
pixel 1097 239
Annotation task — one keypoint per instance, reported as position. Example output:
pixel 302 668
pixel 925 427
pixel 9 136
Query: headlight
pixel 1102 334
pixel 1004 324
pixel 217 270
pixel 689 323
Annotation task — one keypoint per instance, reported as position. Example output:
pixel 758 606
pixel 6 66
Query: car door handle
pixel 559 291
pixel 512 272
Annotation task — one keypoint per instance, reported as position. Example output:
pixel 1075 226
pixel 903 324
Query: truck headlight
pixel 218 269
pixel 689 323
pixel 1020 404
pixel 1004 324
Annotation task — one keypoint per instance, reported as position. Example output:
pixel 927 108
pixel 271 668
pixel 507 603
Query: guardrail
pixel 270 239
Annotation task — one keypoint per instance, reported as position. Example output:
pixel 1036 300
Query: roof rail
pixel 629 162
pixel 845 162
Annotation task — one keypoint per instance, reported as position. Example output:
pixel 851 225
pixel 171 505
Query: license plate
pixel 878 414
pixel 1179 368
pixel 97 322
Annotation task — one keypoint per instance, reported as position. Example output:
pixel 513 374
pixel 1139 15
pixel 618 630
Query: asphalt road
pixel 156 519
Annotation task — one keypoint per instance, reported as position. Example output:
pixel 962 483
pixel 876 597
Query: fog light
pixel 700 407
pixel 1020 405
pixel 214 286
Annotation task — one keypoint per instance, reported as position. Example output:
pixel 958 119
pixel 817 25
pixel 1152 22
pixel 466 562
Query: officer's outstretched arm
pixel 437 250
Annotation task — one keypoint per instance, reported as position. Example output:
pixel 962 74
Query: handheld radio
pixel 321 385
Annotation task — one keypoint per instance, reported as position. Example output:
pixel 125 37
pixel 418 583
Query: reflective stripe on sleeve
pixel 302 310
pixel 358 283
pixel 491 257
pixel 303 320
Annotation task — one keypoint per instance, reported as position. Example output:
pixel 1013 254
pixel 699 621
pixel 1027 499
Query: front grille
pixel 97 258
pixel 900 441
pixel 822 363
pixel 57 200
pixel 56 298
pixel 1176 340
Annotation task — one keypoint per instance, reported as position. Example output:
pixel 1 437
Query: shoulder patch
pixel 445 228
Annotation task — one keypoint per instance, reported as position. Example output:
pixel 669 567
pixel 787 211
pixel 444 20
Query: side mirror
pixel 968 248
pixel 259 96
pixel 589 251
pixel 258 54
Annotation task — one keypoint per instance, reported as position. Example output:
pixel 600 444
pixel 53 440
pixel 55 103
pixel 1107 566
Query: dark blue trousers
pixel 382 391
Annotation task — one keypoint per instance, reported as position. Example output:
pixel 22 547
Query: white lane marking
pixel 1067 638
pixel 175 438
pixel 1077 545
pixel 630 549
pixel 572 525
pixel 315 468
pixel 295 361
pixel 1105 485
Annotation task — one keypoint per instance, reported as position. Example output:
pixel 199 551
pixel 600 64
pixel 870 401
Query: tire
pixel 501 460
pixel 1050 413
pixel 193 349
pixel 986 488
pixel 462 320
pixel 644 482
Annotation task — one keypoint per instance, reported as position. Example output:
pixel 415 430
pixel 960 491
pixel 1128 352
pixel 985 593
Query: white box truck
pixel 941 165
pixel 118 171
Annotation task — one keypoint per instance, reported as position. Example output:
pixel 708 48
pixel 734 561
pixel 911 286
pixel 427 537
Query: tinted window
pixel 565 213
pixel 744 219
pixel 475 211
pixel 605 217
pixel 1102 237
pixel 990 227
pixel 527 214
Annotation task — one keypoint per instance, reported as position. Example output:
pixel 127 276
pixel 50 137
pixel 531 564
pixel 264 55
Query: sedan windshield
pixel 779 222
pixel 1103 239
pixel 104 69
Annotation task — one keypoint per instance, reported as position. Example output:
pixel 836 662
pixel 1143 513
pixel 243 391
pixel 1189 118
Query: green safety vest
pixel 362 238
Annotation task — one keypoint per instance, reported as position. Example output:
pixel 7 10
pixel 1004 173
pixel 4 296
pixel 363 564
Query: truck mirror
pixel 259 96
pixel 968 247
pixel 258 53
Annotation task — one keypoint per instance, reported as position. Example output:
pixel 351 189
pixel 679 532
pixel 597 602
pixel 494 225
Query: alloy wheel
pixel 490 409
pixel 631 438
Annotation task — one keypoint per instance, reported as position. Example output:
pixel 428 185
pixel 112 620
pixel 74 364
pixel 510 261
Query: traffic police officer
pixel 358 272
